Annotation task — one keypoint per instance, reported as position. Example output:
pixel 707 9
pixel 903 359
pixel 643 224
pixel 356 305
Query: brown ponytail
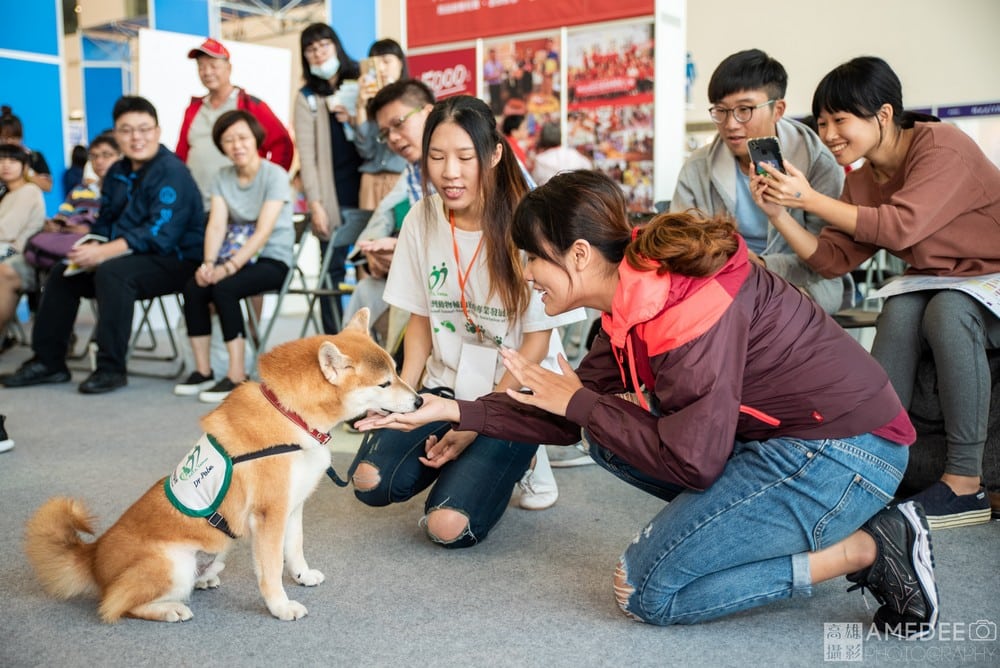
pixel 685 243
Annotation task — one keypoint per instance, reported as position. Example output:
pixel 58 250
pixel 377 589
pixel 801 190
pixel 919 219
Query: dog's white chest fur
pixel 307 470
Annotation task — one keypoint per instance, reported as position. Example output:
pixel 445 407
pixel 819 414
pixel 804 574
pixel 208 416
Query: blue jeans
pixel 478 484
pixel 743 542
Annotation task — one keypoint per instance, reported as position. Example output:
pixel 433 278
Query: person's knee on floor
pixel 624 591
pixel 367 481
pixel 446 525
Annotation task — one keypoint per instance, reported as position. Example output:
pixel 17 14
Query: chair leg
pixel 146 353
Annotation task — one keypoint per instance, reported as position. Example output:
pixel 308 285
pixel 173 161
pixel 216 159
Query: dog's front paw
pixel 289 611
pixel 208 583
pixel 309 578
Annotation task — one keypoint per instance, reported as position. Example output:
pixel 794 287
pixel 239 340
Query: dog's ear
pixel 360 320
pixel 332 362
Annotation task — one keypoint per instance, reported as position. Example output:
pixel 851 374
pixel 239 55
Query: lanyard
pixel 463 278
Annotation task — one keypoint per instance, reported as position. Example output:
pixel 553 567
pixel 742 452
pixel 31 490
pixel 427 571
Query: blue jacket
pixel 157 209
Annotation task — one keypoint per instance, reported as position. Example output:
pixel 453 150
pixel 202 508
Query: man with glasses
pixel 195 146
pixel 154 225
pixel 400 110
pixel 747 93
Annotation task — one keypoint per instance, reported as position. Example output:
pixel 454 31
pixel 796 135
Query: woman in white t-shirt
pixel 457 272
pixel 248 250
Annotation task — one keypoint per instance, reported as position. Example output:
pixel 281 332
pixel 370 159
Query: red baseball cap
pixel 211 48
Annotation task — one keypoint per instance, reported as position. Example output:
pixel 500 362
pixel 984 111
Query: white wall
pixel 943 52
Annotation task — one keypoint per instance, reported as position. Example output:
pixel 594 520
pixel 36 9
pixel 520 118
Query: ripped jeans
pixel 743 542
pixel 478 484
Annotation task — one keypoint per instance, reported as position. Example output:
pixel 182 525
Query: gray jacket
pixel 312 139
pixel 708 182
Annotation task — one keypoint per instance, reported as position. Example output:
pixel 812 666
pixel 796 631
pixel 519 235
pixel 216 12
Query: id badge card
pixel 476 367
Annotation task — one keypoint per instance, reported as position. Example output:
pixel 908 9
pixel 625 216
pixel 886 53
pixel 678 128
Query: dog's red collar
pixel 292 415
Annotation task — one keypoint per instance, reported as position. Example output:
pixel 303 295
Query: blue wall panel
pixel 186 16
pixel 32 90
pixel 355 25
pixel 104 87
pixel 29 27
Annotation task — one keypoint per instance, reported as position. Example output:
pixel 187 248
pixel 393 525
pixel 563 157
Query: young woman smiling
pixel 457 272
pixel 930 196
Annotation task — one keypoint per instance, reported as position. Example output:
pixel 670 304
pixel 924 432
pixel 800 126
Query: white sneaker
pixel 538 486
pixel 567 456
pixel 536 494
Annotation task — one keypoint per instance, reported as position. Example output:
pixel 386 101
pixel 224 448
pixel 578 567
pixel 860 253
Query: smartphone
pixel 357 258
pixel 766 149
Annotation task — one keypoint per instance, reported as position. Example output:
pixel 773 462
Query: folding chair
pixel 355 221
pixel 143 345
pixel 258 339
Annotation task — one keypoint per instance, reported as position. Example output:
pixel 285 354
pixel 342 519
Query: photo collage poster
pixel 522 76
pixel 610 104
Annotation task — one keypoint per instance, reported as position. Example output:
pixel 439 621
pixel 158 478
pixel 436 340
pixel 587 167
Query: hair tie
pixel 635 231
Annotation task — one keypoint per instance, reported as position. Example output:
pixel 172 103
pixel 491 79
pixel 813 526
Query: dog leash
pixel 332 473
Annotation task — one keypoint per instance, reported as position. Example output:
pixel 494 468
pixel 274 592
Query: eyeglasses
pixel 741 114
pixel 102 155
pixel 394 124
pixel 143 131
pixel 318 46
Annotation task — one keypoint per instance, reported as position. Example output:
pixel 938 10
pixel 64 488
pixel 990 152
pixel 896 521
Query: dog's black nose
pixel 418 402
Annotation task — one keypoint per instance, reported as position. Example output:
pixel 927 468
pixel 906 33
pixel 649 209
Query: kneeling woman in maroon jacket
pixel 718 387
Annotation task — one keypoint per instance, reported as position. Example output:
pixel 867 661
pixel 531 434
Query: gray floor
pixel 536 593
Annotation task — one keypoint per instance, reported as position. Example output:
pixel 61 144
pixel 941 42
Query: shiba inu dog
pixel 262 455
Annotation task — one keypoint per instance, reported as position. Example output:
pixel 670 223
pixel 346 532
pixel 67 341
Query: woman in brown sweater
pixel 928 195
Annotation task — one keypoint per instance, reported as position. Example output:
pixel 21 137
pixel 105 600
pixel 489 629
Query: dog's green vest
pixel 200 482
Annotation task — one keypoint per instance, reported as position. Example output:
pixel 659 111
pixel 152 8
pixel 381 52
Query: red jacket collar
pixel 687 305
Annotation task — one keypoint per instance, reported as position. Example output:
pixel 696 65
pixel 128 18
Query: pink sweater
pixel 940 212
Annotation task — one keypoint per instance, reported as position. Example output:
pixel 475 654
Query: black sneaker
pixel 902 577
pixel 6 443
pixel 217 392
pixel 947 510
pixel 101 382
pixel 34 372
pixel 194 384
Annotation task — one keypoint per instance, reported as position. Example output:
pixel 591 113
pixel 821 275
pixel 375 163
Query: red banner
pixel 447 73
pixel 441 21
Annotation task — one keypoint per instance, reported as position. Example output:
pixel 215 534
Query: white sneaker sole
pixel 967 519
pixel 923 564
pixel 539 501
pixel 192 390
pixel 7 445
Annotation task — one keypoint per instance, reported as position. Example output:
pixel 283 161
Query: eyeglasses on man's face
pixel 142 130
pixel 742 113
pixel 394 125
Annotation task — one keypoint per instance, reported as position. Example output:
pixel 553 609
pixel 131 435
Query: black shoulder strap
pixel 268 451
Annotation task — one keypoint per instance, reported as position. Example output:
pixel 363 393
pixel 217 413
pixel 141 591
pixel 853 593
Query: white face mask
pixel 327 69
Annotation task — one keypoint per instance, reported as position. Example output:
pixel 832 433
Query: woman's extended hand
pixel 548 390
pixel 440 451
pixel 434 409
pixel 789 190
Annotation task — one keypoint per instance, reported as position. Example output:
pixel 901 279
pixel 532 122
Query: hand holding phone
pixel 765 150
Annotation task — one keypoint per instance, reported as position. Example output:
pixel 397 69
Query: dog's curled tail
pixel 62 561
